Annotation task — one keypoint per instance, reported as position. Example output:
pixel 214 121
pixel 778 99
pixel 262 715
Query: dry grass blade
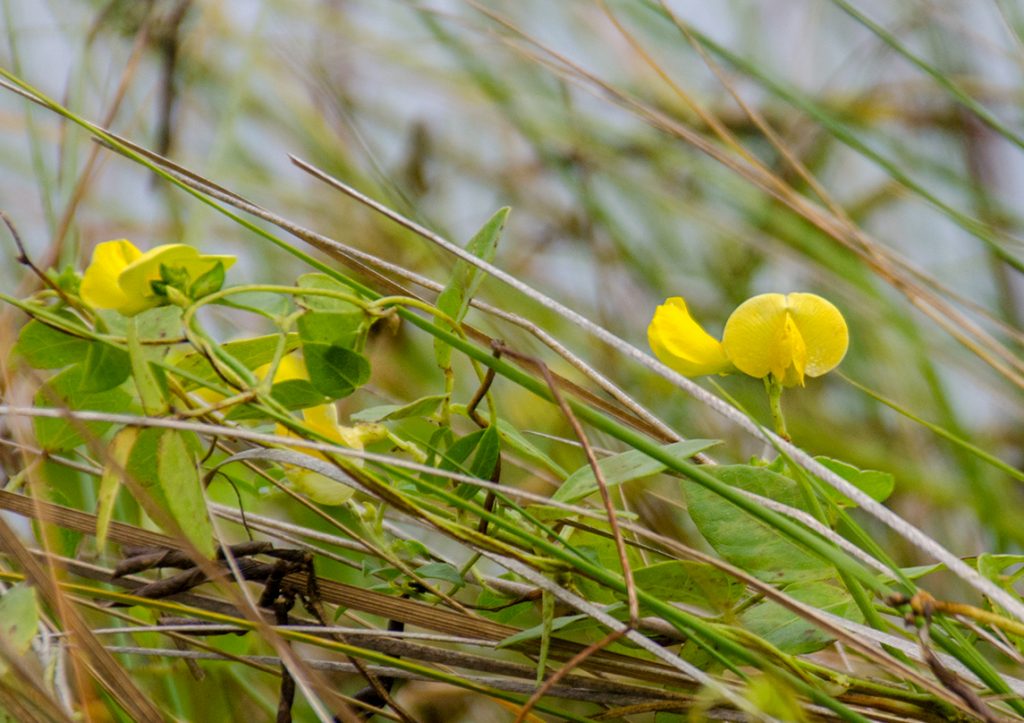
pixel 410 612
pixel 103 667
pixel 620 547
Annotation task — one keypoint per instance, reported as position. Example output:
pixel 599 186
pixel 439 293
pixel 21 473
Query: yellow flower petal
pixel 99 288
pixel 288 368
pixel 754 336
pixel 199 266
pixel 824 331
pixel 324 420
pixel 792 356
pixel 136 277
pixel 786 336
pixel 681 344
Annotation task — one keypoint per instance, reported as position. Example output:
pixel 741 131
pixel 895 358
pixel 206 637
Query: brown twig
pixel 620 545
pixel 923 605
pixel 23 258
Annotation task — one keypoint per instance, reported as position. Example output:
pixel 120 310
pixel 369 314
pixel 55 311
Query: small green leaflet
pixel 207 283
pixel 744 540
pixel 250 353
pixel 331 327
pixel 876 485
pixel 624 467
pixel 466 279
pixel 110 482
pixel 484 447
pixel 693 583
pixel 440 571
pixel 517 442
pixel 335 371
pixel 423 407
pixel 789 632
pixel 183 491
pixel 64 390
pixel 105 367
pixel 559 623
pixel 44 347
pixel 19 620
pixel 147 378
pixel 537 631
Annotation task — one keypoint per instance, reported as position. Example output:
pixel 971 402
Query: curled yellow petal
pixel 786 336
pixel 135 279
pixel 681 344
pixel 319 488
pixel 824 331
pixel 99 288
pixel 322 419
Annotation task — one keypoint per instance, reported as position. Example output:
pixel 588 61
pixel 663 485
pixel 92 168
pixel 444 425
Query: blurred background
pixel 868 151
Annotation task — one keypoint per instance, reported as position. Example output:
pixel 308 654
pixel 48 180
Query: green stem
pixel 774 389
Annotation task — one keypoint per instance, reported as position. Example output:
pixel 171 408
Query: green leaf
pixel 788 631
pixel 176 276
pixel 335 371
pixel 876 485
pixel 773 698
pixel 485 460
pixel 624 467
pixel 142 462
pixel 745 540
pixel 63 486
pixel 297 394
pixel 454 458
pixel 250 353
pixel 147 379
pixel 538 630
pixel 326 303
pixel 518 443
pixel 292 394
pixel 423 407
pixel 19 620
pixel 208 282
pixel 993 567
pixel 44 347
pixel 105 367
pixel 64 391
pixel 158 324
pixel 692 583
pixel 487 454
pixel 110 482
pixel 330 327
pixel 466 279
pixel 182 489
pixel 440 571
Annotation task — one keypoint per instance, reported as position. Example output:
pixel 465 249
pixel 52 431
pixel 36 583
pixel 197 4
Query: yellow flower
pixel 786 336
pixel 322 419
pixel 119 276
